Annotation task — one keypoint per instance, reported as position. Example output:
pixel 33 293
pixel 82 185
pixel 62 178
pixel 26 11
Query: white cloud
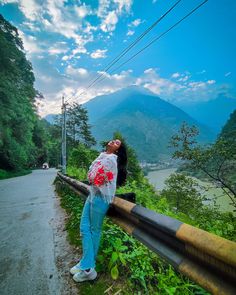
pixel 167 89
pixel 99 53
pixel 79 49
pixel 30 43
pixel 82 71
pixel 121 6
pixel 8 1
pixel 109 23
pixel 76 72
pixel 83 10
pixel 161 86
pixel 150 71
pixel 65 57
pixel 31 26
pixel 74 53
pixel 61 19
pixel 195 85
pixel 130 33
pixel 55 16
pixel 54 50
pixel 30 8
pixel 58 48
pixel 49 106
pixel 185 89
pixel 119 77
pixel 110 11
pixel 211 82
pixel 184 78
pixel 135 23
pixel 103 8
pixel 124 5
pixel 89 28
pixel 69 86
pixel 175 75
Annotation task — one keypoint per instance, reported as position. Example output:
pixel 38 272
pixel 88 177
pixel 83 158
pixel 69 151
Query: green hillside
pixel 146 121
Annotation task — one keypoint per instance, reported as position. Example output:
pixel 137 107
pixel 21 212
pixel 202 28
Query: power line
pixel 123 52
pixel 149 44
pixel 115 60
pixel 157 38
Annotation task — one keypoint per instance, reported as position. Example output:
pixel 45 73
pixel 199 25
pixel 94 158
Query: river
pixel 158 177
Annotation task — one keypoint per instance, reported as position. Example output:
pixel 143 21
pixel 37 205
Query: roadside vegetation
pixel 7 174
pixel 131 267
pixel 124 265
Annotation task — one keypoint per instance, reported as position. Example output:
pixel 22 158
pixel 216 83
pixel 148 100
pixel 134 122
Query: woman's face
pixel 114 145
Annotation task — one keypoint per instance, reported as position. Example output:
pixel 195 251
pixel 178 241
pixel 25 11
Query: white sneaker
pixel 83 275
pixel 75 269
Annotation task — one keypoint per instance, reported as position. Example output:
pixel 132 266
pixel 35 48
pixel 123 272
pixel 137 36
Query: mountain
pixel 145 120
pixel 213 113
pixel 107 103
pixel 229 129
pixel 50 118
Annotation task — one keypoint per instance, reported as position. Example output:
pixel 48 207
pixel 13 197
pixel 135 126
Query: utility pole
pixel 63 136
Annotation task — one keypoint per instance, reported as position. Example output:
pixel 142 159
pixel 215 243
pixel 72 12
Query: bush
pixel 82 157
pixel 8 174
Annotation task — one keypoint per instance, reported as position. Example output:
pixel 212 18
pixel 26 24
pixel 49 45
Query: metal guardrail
pixel 205 258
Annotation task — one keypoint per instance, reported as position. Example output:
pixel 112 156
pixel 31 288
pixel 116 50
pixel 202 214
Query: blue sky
pixel 70 42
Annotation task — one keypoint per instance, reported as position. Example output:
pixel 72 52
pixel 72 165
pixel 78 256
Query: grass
pixel 9 174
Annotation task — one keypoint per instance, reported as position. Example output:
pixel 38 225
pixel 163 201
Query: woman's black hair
pixel 121 165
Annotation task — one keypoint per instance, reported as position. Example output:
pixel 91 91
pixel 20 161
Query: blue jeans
pixel 90 229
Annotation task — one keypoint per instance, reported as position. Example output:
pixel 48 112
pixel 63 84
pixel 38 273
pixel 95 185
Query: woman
pixel 106 173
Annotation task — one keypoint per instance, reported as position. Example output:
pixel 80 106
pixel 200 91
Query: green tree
pixel 47 140
pixel 17 97
pixel 217 160
pixel 82 157
pixel 40 139
pixel 78 129
pixel 54 145
pixel 183 194
pixel 85 132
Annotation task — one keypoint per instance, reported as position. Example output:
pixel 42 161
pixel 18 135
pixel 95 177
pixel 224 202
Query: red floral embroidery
pixel 101 171
pixel 101 175
pixel 109 175
pixel 99 180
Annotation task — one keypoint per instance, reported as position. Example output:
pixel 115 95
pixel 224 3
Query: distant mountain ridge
pixel 229 129
pixel 145 120
pixel 106 103
pixel 50 118
pixel 213 113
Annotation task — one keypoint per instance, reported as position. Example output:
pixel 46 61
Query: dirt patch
pixel 66 255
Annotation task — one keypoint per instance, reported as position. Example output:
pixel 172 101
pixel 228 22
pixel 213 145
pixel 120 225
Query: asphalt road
pixel 27 248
